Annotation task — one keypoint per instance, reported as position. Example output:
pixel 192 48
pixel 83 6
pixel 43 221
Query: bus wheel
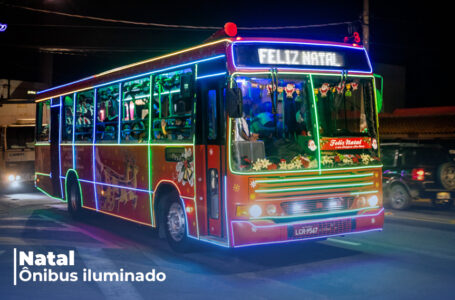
pixel 74 200
pixel 175 224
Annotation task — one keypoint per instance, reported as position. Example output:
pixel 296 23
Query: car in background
pixel 417 171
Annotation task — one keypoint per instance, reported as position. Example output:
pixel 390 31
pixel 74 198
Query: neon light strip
pixel 136 76
pixel 125 144
pixel 312 238
pixel 115 186
pixel 43 174
pixel 117 216
pixel 47 194
pixel 314 188
pixel 313 220
pixel 315 111
pixel 149 154
pixel 302 43
pixel 318 196
pixel 60 125
pixel 42 144
pixel 74 130
pixel 211 75
pixel 313 178
pixel 225 211
pixel 308 239
pixel 136 64
pixel 66 84
pixel 93 148
pixel 315 215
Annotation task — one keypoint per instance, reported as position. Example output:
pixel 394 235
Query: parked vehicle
pixel 417 171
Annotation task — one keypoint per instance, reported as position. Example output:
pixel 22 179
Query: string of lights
pixel 174 26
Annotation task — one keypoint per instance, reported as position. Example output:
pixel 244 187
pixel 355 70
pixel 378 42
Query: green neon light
pixel 316 215
pixel 43 174
pixel 314 178
pixel 43 144
pixel 149 155
pixel 315 111
pixel 363 193
pixel 49 195
pixel 314 188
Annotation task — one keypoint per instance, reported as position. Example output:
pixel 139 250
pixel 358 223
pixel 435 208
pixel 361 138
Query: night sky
pixel 410 35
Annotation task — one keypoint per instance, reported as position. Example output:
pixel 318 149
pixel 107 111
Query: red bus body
pixel 128 180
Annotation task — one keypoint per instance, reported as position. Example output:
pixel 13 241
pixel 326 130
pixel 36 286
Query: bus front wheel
pixel 175 225
pixel 74 199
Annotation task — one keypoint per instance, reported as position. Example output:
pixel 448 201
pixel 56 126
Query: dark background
pixel 58 49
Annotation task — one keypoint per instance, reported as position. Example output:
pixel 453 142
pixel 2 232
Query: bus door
pixel 54 151
pixel 212 136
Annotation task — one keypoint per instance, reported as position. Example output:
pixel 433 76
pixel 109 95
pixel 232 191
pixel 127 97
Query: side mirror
pixel 234 102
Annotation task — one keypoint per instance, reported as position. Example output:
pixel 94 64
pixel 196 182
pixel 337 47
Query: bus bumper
pixel 260 232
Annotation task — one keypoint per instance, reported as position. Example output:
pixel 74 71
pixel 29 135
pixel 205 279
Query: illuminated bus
pixel 235 142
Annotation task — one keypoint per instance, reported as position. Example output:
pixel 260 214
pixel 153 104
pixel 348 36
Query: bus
pixel 235 142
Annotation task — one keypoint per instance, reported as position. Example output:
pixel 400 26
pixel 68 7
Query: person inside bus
pixel 242 128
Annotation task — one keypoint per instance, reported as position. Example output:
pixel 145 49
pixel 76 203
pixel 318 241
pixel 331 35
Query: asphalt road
pixel 413 258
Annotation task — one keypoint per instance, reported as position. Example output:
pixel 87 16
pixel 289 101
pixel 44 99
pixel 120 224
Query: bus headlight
pixel 18 177
pixel 373 201
pixel 255 211
pixel 11 178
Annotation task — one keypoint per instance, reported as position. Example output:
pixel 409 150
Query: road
pixel 413 258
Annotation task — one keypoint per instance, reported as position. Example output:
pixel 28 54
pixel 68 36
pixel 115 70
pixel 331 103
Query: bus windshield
pixel 276 130
pixel 347 120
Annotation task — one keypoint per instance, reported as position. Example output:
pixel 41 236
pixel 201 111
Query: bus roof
pixel 191 55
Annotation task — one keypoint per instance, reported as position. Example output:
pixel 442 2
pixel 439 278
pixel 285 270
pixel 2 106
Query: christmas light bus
pixel 236 142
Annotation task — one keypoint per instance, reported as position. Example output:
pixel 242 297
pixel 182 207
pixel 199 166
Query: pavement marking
pixel 97 261
pixel 35 228
pixel 344 242
pixel 83 231
pixel 450 222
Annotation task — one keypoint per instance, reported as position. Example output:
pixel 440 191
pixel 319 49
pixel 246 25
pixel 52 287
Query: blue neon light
pixel 66 84
pixel 211 75
pixel 161 70
pixel 3 27
pixel 115 186
pixel 297 222
pixel 60 148
pixel 120 105
pixel 93 147
pixel 307 239
pixel 302 43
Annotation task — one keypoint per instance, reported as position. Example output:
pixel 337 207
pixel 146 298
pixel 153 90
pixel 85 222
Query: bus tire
pixel 175 224
pixel 74 199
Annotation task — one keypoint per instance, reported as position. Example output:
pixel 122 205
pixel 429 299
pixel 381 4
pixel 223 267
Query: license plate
pixel 306 230
pixel 443 196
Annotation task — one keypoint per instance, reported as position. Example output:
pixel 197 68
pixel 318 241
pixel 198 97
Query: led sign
pixel 295 57
pixel 300 55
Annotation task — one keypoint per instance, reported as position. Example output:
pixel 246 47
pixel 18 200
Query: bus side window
pixel 84 116
pixel 67 118
pixel 212 115
pixel 173 98
pixel 135 110
pixel 43 121
pixel 107 110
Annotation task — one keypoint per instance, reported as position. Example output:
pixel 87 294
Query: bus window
pixel 68 108
pixel 135 110
pixel 84 116
pixel 212 115
pixel 44 121
pixel 173 106
pixel 107 109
